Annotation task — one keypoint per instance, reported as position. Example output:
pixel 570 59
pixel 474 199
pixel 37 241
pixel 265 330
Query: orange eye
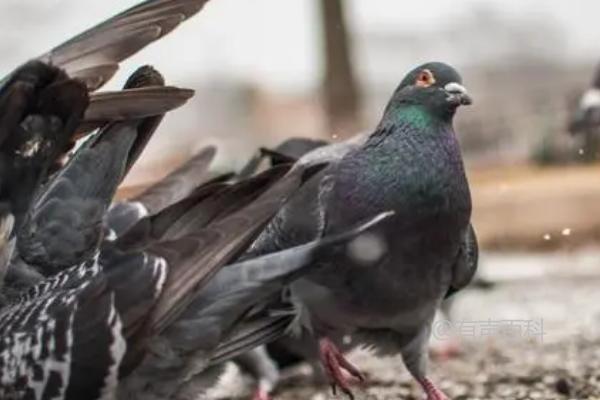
pixel 425 78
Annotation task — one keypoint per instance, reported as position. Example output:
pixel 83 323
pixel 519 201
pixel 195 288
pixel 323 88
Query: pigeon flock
pixel 149 297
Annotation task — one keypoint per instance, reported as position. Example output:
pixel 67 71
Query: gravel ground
pixel 536 335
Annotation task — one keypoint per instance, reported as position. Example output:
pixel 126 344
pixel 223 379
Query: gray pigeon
pixel 385 290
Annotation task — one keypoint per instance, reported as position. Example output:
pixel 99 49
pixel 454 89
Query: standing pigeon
pixel 386 289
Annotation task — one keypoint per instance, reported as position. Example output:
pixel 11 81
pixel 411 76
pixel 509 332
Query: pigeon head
pixel 435 86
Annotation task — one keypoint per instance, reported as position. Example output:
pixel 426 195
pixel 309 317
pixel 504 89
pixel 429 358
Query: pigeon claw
pixel 335 364
pixel 432 392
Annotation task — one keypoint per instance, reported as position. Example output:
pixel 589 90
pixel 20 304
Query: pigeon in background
pixel 386 289
pixel 587 113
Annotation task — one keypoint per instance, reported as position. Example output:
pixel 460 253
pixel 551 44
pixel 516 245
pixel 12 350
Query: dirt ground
pixel 535 335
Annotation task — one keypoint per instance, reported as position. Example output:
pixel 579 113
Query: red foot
pixel 335 364
pixel 260 394
pixel 433 393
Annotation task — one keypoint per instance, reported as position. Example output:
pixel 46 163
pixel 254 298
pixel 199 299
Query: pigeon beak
pixel 457 94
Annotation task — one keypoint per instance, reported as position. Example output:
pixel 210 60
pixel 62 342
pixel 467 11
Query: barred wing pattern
pixel 66 337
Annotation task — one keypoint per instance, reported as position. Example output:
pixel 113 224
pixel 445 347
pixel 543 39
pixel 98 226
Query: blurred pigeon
pixel 587 114
pixel 385 290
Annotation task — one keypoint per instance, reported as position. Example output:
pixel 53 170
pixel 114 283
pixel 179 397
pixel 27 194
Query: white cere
pixel 566 232
pixel 455 87
pixel 368 248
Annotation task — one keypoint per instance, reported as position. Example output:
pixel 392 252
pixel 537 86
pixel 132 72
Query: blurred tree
pixel 340 90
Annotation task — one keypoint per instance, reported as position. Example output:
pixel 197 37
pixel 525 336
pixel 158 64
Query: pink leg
pixel 433 393
pixel 335 364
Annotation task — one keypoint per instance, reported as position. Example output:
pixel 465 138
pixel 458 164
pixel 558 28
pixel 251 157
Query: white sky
pixel 273 42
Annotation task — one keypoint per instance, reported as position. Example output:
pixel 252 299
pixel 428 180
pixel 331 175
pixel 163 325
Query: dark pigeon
pixel 64 224
pixel 385 290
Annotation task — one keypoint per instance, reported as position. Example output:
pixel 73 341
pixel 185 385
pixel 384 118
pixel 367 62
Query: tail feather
pixel 40 108
pixel 195 258
pixel 94 55
pixel 131 104
pixel 250 335
pixel 203 206
pixel 64 225
pixel 178 184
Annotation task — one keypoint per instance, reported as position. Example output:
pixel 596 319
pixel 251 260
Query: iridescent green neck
pixel 412 114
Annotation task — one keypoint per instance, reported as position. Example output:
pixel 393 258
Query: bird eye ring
pixel 425 78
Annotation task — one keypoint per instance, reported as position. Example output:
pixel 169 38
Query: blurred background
pixel 265 70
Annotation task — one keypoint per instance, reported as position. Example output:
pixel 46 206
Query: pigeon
pixel 95 330
pixel 120 288
pixel 386 288
pixel 587 113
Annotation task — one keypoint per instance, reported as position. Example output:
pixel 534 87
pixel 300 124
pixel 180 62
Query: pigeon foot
pixel 335 364
pixel 432 392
